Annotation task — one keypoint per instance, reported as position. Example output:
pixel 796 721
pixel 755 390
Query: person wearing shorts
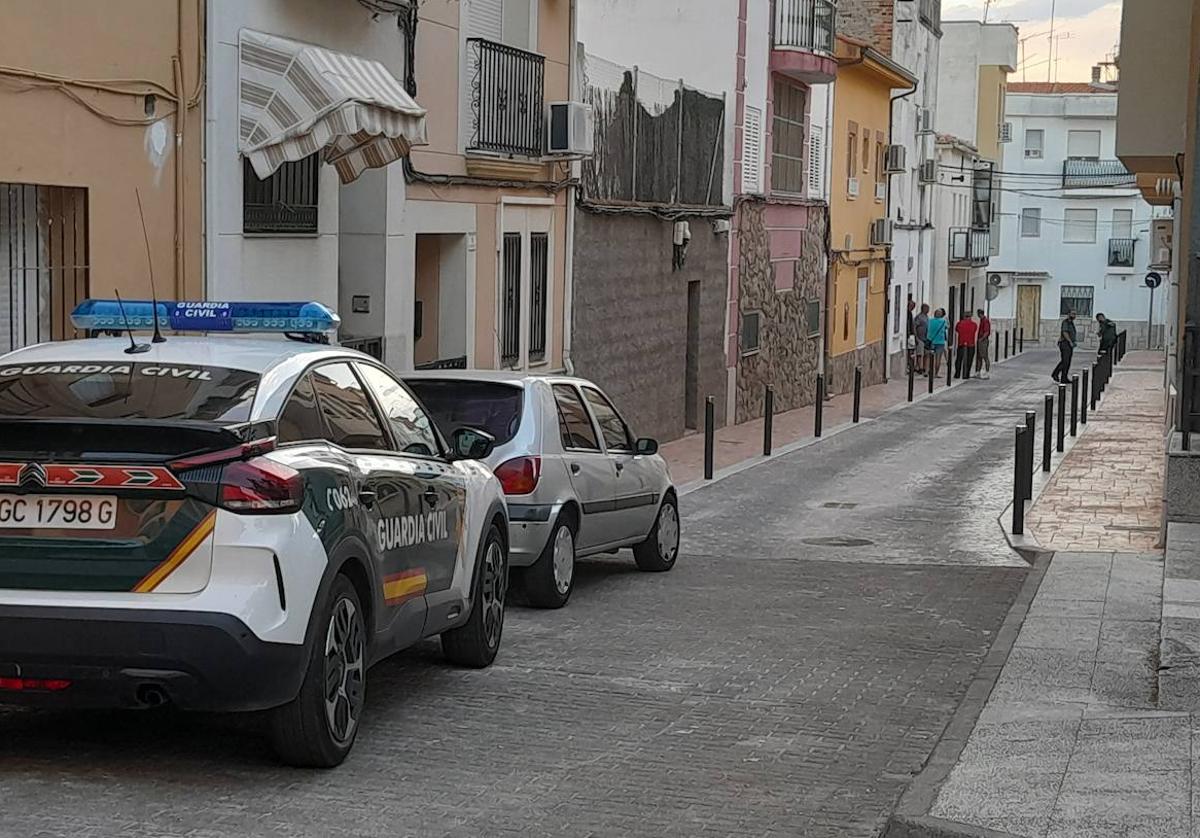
pixel 938 333
pixel 921 334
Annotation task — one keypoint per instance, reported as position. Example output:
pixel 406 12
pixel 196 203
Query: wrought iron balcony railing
pixel 507 98
pixel 970 246
pixel 1079 172
pixel 805 24
pixel 1120 253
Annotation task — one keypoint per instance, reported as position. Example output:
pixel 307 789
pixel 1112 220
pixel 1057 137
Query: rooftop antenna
pixel 135 348
pixel 158 338
pixel 1053 8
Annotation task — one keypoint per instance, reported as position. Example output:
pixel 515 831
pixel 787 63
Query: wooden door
pixel 1029 310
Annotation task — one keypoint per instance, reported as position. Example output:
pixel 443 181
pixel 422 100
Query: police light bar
pixel 246 317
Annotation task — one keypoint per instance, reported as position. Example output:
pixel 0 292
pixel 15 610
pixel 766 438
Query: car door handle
pixel 620 467
pixel 574 468
pixel 431 497
pixel 366 497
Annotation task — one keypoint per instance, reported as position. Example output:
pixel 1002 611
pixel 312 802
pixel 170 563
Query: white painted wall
pixel 958 80
pixel 1034 183
pixel 951 208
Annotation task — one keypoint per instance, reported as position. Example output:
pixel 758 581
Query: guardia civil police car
pixel 231 523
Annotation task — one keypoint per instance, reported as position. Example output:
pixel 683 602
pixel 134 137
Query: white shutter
pixel 752 151
pixel 484 19
pixel 816 162
pixel 1083 144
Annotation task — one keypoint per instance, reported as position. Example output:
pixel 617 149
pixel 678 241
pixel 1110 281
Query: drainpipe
pixel 888 264
pixel 572 198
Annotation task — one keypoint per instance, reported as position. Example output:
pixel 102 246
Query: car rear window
pixel 126 391
pixel 484 405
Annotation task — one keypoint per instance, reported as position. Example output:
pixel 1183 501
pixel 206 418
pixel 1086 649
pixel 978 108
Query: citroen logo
pixel 32 476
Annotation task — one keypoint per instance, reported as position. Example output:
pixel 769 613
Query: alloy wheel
pixel 495 576
pixel 344 647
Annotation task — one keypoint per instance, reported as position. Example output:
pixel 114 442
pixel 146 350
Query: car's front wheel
pixel 476 642
pixel 317 728
pixel 660 549
pixel 550 580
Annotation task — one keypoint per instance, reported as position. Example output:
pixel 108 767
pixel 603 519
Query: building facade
pixel 1075 233
pixel 79 151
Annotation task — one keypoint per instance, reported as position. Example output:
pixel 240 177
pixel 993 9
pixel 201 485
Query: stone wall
pixel 839 371
pixel 630 317
pixel 782 262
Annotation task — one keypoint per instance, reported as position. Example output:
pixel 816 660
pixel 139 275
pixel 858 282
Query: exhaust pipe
pixel 152 695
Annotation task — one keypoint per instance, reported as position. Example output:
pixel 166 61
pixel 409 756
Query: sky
pixel 1092 27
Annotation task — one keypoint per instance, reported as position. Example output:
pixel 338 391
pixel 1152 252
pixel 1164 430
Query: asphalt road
pixel 789 677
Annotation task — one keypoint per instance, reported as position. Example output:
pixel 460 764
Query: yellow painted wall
pixel 993 81
pixel 860 97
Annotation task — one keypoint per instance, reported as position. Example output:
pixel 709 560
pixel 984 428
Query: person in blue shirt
pixel 937 334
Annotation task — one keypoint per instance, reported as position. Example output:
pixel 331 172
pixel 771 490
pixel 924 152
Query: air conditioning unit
pixel 1033 154
pixel 881 191
pixel 852 187
pixel 928 171
pixel 570 129
pixel 881 232
pixel 925 121
pixel 1006 132
pixel 896 159
pixel 996 280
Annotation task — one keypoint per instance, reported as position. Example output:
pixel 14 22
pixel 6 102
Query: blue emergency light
pixel 246 317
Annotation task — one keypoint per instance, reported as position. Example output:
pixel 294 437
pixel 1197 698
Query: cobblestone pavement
pixel 787 678
pixel 1107 495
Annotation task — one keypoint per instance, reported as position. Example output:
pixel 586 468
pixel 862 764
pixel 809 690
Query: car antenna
pixel 135 348
pixel 158 338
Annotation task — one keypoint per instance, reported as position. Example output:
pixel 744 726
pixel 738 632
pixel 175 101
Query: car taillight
pixel 51 685
pixel 261 486
pixel 519 476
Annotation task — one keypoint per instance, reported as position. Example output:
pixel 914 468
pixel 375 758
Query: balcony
pixel 1080 173
pixel 970 247
pixel 803 40
pixel 1120 253
pixel 507 90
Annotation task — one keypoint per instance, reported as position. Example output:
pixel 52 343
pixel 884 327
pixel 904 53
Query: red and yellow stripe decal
pixel 401 587
pixel 178 556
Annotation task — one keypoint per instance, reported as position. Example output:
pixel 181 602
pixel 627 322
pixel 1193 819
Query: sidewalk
pixel 1074 739
pixel 738 443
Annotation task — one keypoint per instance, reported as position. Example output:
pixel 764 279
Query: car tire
pixel 548 582
pixel 661 548
pixel 476 642
pixel 315 730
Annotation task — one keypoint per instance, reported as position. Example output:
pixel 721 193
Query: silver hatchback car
pixel 577 481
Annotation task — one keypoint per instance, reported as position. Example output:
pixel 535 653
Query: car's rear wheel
pixel 660 549
pixel 317 729
pixel 476 642
pixel 550 580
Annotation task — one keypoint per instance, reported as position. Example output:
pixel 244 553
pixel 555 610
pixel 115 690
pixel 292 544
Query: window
pixel 616 435
pixel 816 162
pixel 488 406
pixel 1079 226
pixel 852 150
pixel 880 161
pixel 750 323
pixel 347 410
pixel 896 309
pixel 866 151
pixel 1031 222
pixel 301 419
pixel 1083 145
pixel 574 424
pixel 1076 298
pixel 286 202
pixel 539 247
pixel 787 139
pixel 411 428
pixel 864 292
pixel 510 298
pixel 1122 224
pixel 812 318
pixel 1034 142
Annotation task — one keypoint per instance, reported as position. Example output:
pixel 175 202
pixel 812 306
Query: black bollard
pixel 1005 344
pixel 1031 426
pixel 1075 405
pixel 857 392
pixel 996 341
pixel 1083 404
pixel 931 373
pixel 1018 513
pixel 1021 346
pixel 709 430
pixel 949 365
pixel 1047 434
pixel 1093 391
pixel 820 405
pixel 768 419
pixel 1060 443
pixel 911 379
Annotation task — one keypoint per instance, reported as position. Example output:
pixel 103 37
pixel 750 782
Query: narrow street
pixel 787 678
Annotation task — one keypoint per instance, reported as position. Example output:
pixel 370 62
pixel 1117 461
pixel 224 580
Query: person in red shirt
pixel 965 331
pixel 983 345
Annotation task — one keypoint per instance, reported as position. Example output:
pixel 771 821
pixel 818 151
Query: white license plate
pixel 59 512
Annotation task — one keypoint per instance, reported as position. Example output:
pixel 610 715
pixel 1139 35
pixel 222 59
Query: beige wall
pixel 49 138
pixel 992 85
pixel 1151 127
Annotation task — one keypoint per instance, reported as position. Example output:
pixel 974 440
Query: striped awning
pixel 296 99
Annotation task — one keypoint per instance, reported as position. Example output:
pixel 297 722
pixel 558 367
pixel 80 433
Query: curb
pixel 910 818
pixel 1041 480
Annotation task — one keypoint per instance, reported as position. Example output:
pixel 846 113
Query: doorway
pixel 524 303
pixel 691 371
pixel 1029 310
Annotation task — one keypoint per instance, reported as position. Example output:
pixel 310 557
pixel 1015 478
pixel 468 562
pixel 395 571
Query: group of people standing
pixel 929 337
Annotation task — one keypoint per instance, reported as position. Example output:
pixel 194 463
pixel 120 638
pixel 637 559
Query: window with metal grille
pixel 539 253
pixel 43 262
pixel 286 202
pixel 788 139
pixel 750 334
pixel 1076 298
pixel 510 300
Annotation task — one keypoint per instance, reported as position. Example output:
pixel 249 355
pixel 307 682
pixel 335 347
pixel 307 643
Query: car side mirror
pixel 471 444
pixel 646 446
